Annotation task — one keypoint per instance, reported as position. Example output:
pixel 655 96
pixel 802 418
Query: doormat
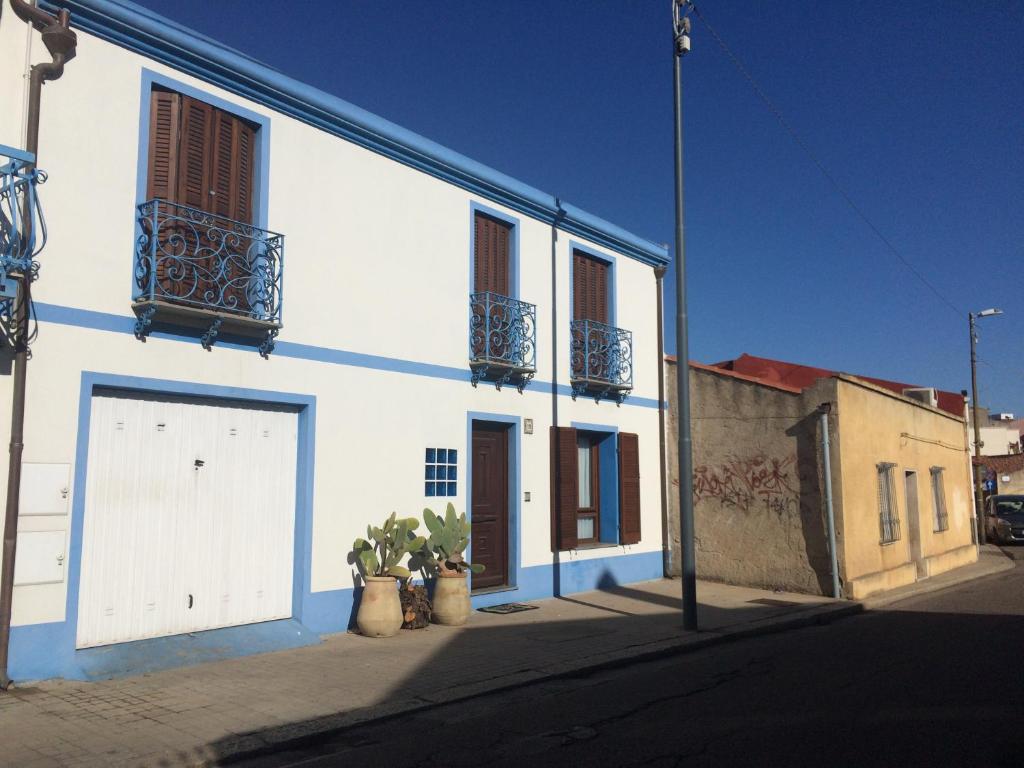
pixel 772 601
pixel 508 608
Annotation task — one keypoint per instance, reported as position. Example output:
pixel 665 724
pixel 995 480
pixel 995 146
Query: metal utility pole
pixel 830 518
pixel 680 47
pixel 979 505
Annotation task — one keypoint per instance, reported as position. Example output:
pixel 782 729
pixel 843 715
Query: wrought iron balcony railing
pixel 220 271
pixel 502 339
pixel 602 360
pixel 22 227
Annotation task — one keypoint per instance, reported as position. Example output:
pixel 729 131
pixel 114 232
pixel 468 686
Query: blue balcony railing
pixel 502 339
pixel 222 271
pixel 602 360
pixel 22 227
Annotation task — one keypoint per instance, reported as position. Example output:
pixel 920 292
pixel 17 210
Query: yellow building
pixel 901 482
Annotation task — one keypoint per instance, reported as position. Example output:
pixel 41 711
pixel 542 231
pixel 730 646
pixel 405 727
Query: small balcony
pixel 601 360
pixel 502 339
pixel 199 270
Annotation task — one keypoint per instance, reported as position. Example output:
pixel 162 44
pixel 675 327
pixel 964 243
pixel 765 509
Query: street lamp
pixel 979 519
pixel 680 47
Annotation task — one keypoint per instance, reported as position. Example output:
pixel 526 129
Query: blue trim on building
pixel 515 492
pixel 608 478
pixel 104 321
pixel 608 259
pixel 48 650
pixel 158 38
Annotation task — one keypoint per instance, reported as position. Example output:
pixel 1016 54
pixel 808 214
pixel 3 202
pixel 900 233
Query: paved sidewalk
pixel 205 714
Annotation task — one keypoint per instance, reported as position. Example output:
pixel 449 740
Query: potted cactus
pixel 448 539
pixel 378 557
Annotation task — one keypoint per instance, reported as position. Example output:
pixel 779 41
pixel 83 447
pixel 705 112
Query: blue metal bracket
pixel 207 338
pixel 268 344
pixel 142 323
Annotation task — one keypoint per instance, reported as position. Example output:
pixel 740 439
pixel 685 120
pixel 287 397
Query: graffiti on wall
pixel 748 483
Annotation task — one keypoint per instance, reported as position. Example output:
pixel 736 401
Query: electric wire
pixel 787 126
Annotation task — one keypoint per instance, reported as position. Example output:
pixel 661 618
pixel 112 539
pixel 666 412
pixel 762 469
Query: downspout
pixel 666 536
pixel 556 570
pixel 830 518
pixel 60 41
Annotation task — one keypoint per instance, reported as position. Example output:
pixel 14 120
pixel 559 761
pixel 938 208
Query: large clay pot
pixel 380 610
pixel 451 599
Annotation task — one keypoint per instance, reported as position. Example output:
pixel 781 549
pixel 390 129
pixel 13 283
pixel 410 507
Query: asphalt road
pixel 932 681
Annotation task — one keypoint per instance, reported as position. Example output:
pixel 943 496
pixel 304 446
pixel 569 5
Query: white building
pixel 181 476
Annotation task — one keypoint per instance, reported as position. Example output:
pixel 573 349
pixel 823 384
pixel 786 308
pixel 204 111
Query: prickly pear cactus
pixel 390 544
pixel 447 541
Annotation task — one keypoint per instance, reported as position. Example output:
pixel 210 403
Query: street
pixel 933 680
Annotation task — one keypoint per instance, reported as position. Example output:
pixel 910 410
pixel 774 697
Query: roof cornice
pixel 156 37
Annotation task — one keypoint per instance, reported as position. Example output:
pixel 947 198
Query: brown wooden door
pixel 489 505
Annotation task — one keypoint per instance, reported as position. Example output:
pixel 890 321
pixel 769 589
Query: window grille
pixel 888 514
pixel 939 500
pixel 441 475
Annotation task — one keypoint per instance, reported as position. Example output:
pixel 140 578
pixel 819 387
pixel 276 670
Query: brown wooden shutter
pixel 629 488
pixel 231 164
pixel 491 247
pixel 194 174
pixel 589 288
pixel 164 118
pixel 564 488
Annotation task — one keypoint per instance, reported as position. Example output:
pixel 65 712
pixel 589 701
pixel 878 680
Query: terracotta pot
pixel 380 610
pixel 451 599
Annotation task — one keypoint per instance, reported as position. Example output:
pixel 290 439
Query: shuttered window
pixel 939 500
pixel 589 288
pixel 492 242
pixel 200 156
pixel 888 513
pixel 629 488
pixel 575 488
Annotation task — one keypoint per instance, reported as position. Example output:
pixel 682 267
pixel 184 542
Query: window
pixel 441 472
pixel 492 246
pixel 590 296
pixel 200 156
pixel 589 490
pixel 939 500
pixel 889 518
pixel 576 483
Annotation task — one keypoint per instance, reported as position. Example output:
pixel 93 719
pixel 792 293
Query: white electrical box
pixel 45 488
pixel 40 558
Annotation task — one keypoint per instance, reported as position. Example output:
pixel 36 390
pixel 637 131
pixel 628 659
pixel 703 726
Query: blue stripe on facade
pixel 104 321
pixel 163 40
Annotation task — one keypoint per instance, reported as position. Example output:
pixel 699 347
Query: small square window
pixel 441 472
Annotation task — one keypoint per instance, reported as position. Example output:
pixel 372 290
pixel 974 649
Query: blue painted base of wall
pixel 41 651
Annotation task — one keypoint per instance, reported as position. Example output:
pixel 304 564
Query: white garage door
pixel 189 517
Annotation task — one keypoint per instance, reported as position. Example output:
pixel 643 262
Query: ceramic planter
pixel 380 610
pixel 451 599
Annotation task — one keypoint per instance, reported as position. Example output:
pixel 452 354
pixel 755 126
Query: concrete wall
pixel 879 426
pixel 757 483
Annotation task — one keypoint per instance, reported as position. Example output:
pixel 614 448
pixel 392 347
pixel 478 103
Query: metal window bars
pixel 888 512
pixel 939 500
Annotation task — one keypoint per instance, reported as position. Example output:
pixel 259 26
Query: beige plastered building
pixel 901 483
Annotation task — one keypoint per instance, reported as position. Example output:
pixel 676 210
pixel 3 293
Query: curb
pixel 332 725
pixel 1000 563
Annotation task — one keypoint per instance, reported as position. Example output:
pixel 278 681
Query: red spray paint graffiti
pixel 743 483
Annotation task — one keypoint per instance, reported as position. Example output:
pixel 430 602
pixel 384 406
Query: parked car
pixel 1004 519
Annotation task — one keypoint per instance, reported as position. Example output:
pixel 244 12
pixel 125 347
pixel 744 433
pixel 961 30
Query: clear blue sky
pixel 916 108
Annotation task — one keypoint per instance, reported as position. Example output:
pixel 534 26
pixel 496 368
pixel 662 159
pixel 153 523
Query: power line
pixel 820 166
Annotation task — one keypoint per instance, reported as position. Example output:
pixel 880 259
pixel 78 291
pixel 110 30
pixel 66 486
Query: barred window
pixel 888 514
pixel 939 500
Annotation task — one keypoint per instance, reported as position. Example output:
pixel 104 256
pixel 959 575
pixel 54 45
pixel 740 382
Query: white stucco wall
pixel 377 261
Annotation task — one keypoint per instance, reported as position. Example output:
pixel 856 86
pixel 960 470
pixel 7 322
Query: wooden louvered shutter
pixel 629 488
pixel 589 288
pixel 194 154
pixel 164 120
pixel 491 246
pixel 231 161
pixel 564 488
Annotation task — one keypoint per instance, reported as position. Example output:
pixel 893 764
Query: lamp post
pixel 680 47
pixel 979 517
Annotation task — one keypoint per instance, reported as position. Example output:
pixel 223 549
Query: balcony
pixel 601 360
pixel 502 339
pixel 202 271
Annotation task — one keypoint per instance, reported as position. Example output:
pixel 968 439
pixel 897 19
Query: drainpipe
pixel 60 41
pixel 666 536
pixel 556 570
pixel 825 409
